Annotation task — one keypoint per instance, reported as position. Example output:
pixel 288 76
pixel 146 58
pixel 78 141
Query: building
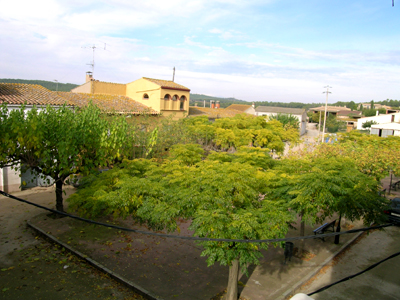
pixel 330 110
pixel 385 130
pixel 16 94
pixel 163 96
pixel 380 119
pixel 299 113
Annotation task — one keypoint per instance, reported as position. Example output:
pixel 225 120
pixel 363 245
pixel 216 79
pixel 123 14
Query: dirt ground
pixel 32 268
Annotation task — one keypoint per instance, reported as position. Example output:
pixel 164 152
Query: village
pixel 261 144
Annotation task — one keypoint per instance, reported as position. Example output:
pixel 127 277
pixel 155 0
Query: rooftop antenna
pixel 93 48
pixel 55 80
pixel 173 75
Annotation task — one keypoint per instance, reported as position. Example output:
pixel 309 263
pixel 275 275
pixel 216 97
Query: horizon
pixel 255 50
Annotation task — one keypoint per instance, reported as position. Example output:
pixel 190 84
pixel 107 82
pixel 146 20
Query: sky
pixel 254 50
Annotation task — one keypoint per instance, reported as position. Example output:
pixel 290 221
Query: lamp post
pixel 326 106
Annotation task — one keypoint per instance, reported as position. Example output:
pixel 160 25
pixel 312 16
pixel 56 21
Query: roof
pixel 167 84
pixel 241 107
pixel 33 94
pixel 349 113
pixel 282 110
pixel 330 108
pixel 213 113
pixel 106 102
pixel 30 94
pixel 392 126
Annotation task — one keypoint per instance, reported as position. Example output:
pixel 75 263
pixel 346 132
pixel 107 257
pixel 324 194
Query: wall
pixel 84 88
pixel 381 119
pixel 138 88
pixel 100 87
pixel 174 105
pixel 10 181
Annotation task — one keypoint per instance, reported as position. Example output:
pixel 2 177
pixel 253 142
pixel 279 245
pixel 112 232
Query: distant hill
pixel 52 86
pixel 224 102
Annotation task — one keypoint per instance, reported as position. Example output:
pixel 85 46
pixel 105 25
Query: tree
pixel 368 124
pixel 59 142
pixel 369 112
pixel 327 186
pixel 221 200
pixel 286 120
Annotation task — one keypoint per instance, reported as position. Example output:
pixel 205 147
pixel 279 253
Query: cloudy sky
pixel 255 50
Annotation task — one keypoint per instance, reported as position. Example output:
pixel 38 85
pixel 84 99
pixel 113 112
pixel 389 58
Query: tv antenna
pixel 93 48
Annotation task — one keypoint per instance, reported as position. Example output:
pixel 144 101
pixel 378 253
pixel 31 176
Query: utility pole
pixel 326 106
pixel 173 75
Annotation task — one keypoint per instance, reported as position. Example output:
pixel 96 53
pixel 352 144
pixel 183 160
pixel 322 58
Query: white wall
pixel 10 181
pixel 381 119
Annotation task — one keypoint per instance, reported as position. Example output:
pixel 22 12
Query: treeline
pixel 224 102
pixel 52 86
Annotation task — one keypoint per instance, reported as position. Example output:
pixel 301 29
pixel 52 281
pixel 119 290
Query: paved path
pixel 382 282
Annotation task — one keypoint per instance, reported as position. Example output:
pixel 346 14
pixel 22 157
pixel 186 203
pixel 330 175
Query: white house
pixel 385 130
pixel 380 119
pixel 299 113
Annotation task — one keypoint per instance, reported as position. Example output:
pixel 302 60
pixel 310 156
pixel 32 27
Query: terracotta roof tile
pixel 167 84
pixel 106 102
pixel 213 113
pixel 241 107
pixel 31 94
pixel 282 110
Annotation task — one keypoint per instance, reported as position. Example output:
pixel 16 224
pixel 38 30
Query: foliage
pixel 334 125
pixel 286 120
pixel 59 142
pixel 369 112
pixel 368 124
pixel 188 154
pixel 221 199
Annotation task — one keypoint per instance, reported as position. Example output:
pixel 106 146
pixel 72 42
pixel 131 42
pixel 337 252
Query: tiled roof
pixel 349 113
pixel 117 103
pixel 282 110
pixel 330 108
pixel 241 107
pixel 167 84
pixel 213 113
pixel 31 94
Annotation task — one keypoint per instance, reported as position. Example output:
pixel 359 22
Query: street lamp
pixel 326 106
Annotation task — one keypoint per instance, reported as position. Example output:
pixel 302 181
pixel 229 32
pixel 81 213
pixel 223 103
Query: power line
pixel 193 237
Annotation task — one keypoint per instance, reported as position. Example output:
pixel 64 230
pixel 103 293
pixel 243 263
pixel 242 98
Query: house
pixel 330 110
pixel 16 94
pixel 385 130
pixel 380 119
pixel 376 106
pixel 163 96
pixel 248 109
pixel 299 113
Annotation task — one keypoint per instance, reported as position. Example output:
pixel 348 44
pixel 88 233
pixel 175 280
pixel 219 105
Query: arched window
pixel 182 102
pixel 167 97
pixel 175 97
pixel 146 97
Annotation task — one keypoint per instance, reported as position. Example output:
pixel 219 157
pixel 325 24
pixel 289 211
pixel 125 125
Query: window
pixel 146 97
pixel 167 97
pixel 182 102
pixel 175 97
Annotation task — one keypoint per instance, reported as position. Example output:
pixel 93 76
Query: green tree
pixel 368 124
pixel 59 142
pixel 220 199
pixel 369 112
pixel 286 120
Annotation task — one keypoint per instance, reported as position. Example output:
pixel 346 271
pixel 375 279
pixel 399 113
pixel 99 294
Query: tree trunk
pixel 337 237
pixel 302 225
pixel 232 290
pixel 59 196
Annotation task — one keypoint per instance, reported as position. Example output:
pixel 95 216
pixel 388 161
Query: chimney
pixel 89 76
pixel 195 104
pixel 217 106
pixel 253 105
pixel 212 103
pixel 377 112
pixel 204 103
